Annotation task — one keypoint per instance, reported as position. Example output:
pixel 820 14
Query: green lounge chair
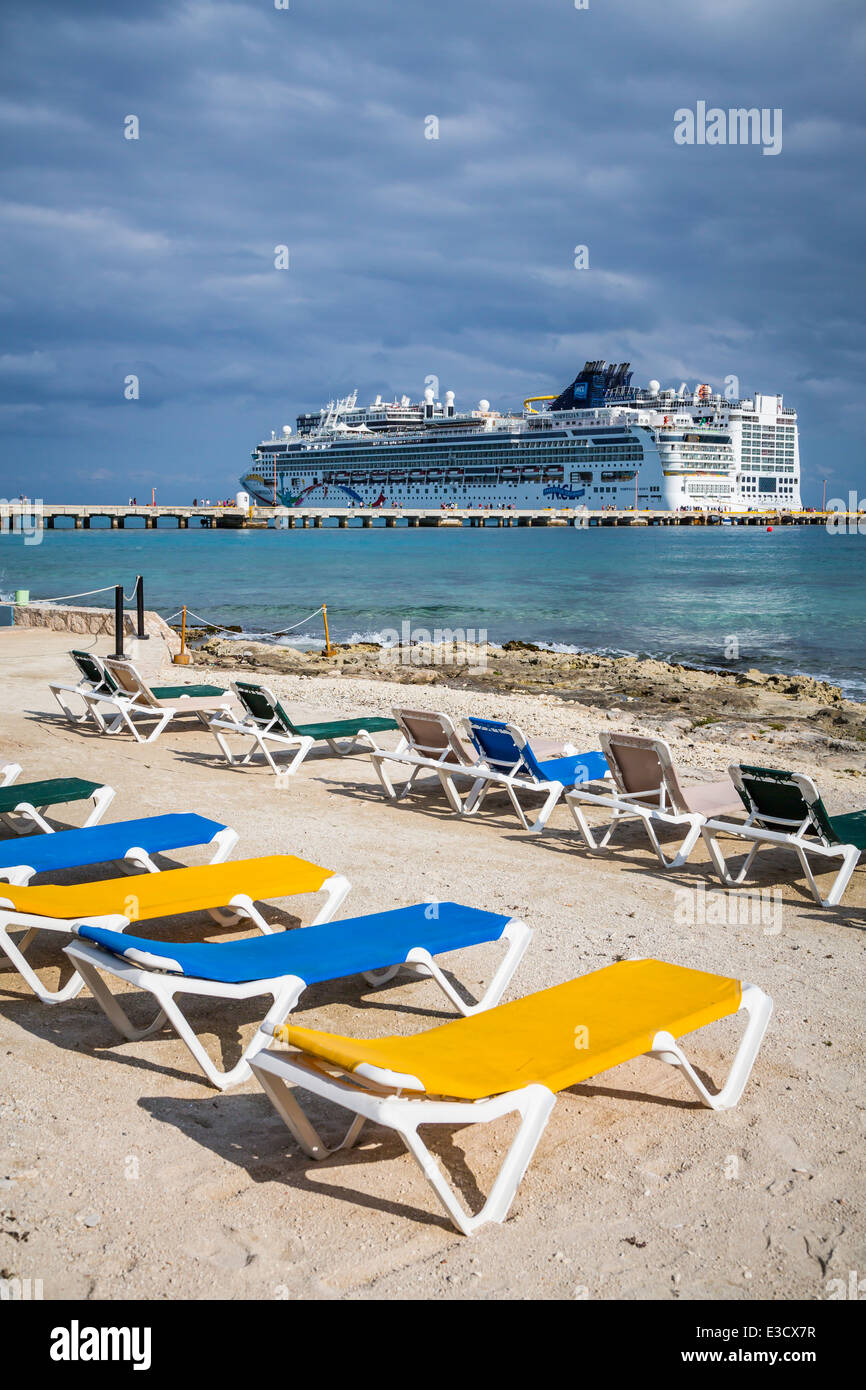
pixel 266 722
pixel 23 804
pixel 785 809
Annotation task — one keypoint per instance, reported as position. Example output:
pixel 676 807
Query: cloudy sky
pixel 305 127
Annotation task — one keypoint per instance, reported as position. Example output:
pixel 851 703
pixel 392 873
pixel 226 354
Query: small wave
pixel 304 642
pixel 383 638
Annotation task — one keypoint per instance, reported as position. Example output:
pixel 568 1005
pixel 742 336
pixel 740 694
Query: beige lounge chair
pixel 136 702
pixel 647 787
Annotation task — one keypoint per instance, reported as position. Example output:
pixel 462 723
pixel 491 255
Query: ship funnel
pixel 449 402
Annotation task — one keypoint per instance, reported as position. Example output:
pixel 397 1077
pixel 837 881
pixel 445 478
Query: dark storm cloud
pixel 409 256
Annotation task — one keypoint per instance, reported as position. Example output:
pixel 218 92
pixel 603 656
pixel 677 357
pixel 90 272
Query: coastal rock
pixel 680 700
pixel 266 656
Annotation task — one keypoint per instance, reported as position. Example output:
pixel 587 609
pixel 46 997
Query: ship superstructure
pixel 600 443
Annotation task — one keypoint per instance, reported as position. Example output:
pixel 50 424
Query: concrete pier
pixel 79 516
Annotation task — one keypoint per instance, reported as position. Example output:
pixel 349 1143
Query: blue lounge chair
pixel 135 841
pixel 507 763
pixel 282 965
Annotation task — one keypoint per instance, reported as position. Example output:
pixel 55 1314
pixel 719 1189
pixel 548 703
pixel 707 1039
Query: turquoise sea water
pixel 789 601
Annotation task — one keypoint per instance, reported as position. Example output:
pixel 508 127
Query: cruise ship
pixel 600 443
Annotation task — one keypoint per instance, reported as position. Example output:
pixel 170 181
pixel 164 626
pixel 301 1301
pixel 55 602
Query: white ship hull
pixel 654 450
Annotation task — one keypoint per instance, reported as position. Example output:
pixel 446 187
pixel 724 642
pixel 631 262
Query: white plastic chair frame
pixel 134 702
pixel 655 806
pixel 265 731
pixel 261 732
pixel 372 1093
pixel 284 991
pixel 241 907
pixel 444 763
pixel 802 837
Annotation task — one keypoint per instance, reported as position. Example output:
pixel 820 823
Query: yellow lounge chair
pixel 511 1058
pixel 116 903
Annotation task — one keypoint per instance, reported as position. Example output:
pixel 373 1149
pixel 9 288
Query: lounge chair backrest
pixel 503 746
pixel 432 734
pixel 777 798
pixel 639 763
pixel 129 681
pixel 92 670
pixel 262 705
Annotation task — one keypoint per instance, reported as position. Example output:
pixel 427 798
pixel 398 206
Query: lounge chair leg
pixel 534 1104
pixel 381 977
pixel 450 790
pixel 241 906
pixel 284 999
pixel 102 799
pixel 475 797
pixel 14 951
pixel 138 859
pixel 31 816
pixel 683 853
pixel 335 889
pixel 362 742
pixel 224 748
pixel 584 829
pixel 224 842
pixel 758 1006
pixel 162 723
pixel 298 1123
pixel 405 788
pixel 304 747
pixel 90 976
pixel 385 781
pixel 555 792
pixel 720 864
pixel 66 707
pixel 517 934
pixel 850 858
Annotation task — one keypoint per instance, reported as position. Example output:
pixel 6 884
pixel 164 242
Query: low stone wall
pixel 96 622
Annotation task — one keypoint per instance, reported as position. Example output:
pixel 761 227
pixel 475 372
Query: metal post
pixel 139 605
pixel 118 620
pixel 182 658
pixel 327 634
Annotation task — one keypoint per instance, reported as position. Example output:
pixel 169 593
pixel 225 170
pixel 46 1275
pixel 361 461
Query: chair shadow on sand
pixel 243 1129
pixel 225 1025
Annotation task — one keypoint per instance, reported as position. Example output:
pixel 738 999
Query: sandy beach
pixel 124 1175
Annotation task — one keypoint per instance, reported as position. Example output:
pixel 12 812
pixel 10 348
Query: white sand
pixel 124 1175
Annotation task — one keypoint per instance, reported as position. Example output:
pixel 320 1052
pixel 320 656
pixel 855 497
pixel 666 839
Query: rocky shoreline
pixel 800 706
